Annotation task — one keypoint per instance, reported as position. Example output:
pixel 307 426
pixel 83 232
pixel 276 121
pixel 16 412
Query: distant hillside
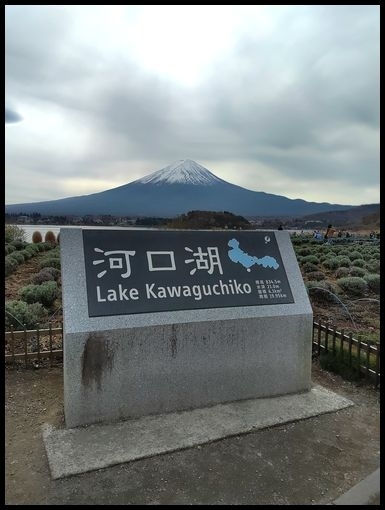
pixel 209 220
pixel 361 216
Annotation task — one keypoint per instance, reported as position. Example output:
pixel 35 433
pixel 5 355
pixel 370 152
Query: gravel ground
pixel 311 461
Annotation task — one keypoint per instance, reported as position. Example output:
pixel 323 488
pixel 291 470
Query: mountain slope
pixel 184 171
pixel 176 189
pixel 360 215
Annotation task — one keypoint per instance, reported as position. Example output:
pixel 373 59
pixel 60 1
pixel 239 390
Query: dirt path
pixel 22 276
pixel 306 462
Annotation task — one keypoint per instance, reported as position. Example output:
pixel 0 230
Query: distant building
pixel 23 219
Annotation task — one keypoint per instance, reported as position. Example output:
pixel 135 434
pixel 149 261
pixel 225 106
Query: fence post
pixel 359 353
pixel 38 342
pixel 25 346
pixel 350 349
pixel 342 343
pixel 377 364
pixel 368 344
pixel 334 340
pixel 326 337
pixel 12 347
pixel 319 336
pixel 50 343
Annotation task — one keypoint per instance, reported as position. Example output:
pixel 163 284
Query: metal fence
pixel 46 345
pixel 364 356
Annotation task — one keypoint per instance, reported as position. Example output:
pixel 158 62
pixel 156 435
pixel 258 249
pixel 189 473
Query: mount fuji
pixel 178 188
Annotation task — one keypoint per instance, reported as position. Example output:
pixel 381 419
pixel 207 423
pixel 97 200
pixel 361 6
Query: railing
pixel 43 346
pixel 355 353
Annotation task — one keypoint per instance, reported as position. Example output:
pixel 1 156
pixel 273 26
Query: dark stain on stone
pixel 97 357
pixel 173 341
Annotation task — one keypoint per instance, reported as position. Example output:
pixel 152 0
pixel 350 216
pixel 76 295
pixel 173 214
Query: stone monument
pixel 161 321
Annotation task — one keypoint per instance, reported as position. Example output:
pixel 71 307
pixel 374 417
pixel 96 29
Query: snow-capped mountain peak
pixel 184 171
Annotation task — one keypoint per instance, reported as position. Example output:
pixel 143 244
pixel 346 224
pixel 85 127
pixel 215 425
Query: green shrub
pixel 50 237
pixel 9 248
pixel 17 255
pixel 46 293
pixel 50 262
pixel 343 261
pixel 373 266
pixel 56 273
pixel 10 265
pixel 26 254
pixel 357 271
pixel 50 245
pixel 317 249
pixel 29 248
pixel 353 285
pixel 14 233
pixel 341 272
pixel 19 245
pixel 359 263
pixel 37 237
pixel 373 281
pixel 30 293
pixel 305 251
pixel 43 276
pixel 44 246
pixel 17 312
pixel 40 246
pixel 49 291
pixel 308 267
pixel 321 291
pixel 316 275
pixel 355 254
pixel 33 248
pixel 313 259
pixel 331 263
pixel 298 240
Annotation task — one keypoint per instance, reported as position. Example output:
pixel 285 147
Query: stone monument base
pixel 121 374
pixel 74 451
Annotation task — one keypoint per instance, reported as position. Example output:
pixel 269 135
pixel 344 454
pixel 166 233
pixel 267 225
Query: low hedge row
pixel 31 309
pixel 17 252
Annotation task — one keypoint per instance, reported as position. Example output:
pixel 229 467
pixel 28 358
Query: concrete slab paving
pixel 79 450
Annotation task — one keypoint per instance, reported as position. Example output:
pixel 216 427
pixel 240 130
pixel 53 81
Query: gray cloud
pixel 12 116
pixel 302 100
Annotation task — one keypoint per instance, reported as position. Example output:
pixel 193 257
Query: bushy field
pixel 35 295
pixel 342 279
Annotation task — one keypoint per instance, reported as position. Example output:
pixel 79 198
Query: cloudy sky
pixel 281 99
